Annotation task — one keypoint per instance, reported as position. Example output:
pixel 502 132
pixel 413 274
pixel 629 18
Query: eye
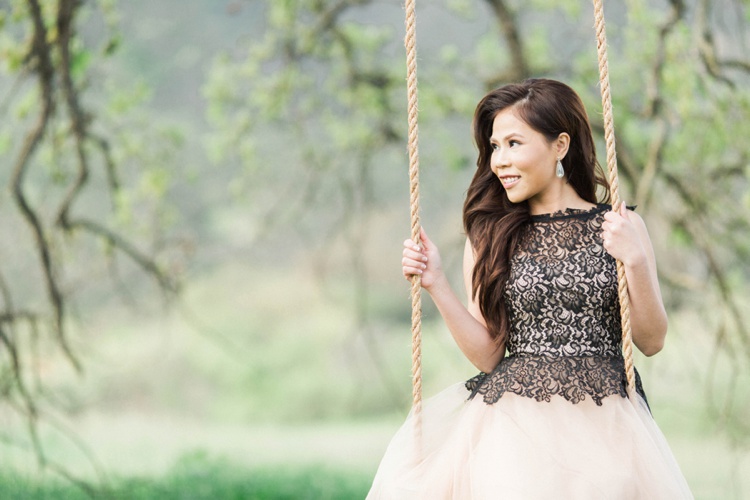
pixel 513 142
pixel 493 146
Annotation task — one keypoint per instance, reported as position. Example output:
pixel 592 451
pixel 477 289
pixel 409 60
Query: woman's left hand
pixel 620 237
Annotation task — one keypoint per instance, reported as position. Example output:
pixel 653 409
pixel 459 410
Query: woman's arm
pixel 625 237
pixel 466 324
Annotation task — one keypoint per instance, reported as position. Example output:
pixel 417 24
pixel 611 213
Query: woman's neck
pixel 559 199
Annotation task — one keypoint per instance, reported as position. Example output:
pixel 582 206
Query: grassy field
pixel 201 479
pixel 165 458
pixel 271 405
pixel 149 457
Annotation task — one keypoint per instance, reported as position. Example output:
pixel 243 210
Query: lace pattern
pixel 541 377
pixel 564 313
pixel 562 290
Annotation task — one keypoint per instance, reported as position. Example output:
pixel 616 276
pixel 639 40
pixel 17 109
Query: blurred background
pixel 203 209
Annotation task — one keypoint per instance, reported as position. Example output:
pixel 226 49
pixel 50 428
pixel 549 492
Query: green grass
pixel 197 477
pixel 295 406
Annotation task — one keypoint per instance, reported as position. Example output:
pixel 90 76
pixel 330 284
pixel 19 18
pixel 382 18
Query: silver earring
pixel 559 172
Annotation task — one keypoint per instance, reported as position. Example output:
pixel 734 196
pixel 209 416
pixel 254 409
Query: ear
pixel 561 144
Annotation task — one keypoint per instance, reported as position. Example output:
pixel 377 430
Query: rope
pixel 614 186
pixel 410 43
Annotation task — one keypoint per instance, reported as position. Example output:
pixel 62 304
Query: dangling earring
pixel 559 172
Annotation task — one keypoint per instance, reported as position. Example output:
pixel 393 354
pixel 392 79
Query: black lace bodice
pixel 561 298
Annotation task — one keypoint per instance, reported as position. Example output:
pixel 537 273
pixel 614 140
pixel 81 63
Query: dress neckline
pixel 570 213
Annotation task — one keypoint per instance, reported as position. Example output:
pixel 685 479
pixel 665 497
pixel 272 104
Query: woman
pixel 549 416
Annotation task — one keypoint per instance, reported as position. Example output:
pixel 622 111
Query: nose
pixel 499 159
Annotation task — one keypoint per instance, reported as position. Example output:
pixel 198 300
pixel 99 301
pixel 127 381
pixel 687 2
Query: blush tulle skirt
pixel 518 448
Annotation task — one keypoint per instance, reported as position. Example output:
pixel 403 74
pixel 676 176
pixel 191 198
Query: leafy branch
pixel 50 62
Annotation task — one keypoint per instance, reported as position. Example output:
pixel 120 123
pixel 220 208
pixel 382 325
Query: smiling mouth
pixel 510 180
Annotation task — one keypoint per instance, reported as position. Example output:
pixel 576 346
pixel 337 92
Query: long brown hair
pixel 491 221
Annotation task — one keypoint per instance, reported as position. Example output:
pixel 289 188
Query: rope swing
pixel 416 283
pixel 614 188
pixel 410 43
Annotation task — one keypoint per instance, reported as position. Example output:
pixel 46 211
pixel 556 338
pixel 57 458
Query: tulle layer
pixel 518 448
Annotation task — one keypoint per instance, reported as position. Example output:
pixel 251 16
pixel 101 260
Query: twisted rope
pixel 614 186
pixel 410 43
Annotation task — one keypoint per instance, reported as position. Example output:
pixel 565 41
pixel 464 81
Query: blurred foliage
pixel 308 107
pixel 88 172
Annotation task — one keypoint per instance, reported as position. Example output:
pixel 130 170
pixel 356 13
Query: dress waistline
pixel 541 377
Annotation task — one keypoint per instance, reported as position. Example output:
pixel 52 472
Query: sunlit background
pixel 215 309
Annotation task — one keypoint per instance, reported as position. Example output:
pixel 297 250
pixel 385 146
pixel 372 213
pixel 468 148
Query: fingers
pixel 415 256
pixel 414 261
pixel 624 210
pixel 409 243
pixel 413 251
pixel 426 242
pixel 611 216
pixel 616 230
pixel 410 271
pixel 613 220
pixel 411 267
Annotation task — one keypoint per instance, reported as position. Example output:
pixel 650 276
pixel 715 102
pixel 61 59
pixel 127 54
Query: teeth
pixel 509 180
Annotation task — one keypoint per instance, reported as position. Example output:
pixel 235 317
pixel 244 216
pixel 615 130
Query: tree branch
pixel 79 126
pixel 329 17
pixel 695 227
pixel 118 242
pixel 65 13
pixel 653 89
pixel 508 23
pixel 706 46
pixel 735 64
pixel 39 56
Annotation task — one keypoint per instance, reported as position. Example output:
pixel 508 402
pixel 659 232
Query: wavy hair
pixel 492 222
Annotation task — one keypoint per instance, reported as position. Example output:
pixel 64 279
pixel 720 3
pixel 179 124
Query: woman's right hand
pixel 424 261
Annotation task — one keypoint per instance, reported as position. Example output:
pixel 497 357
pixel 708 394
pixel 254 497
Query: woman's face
pixel 522 158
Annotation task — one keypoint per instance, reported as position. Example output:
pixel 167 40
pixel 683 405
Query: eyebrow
pixel 512 134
